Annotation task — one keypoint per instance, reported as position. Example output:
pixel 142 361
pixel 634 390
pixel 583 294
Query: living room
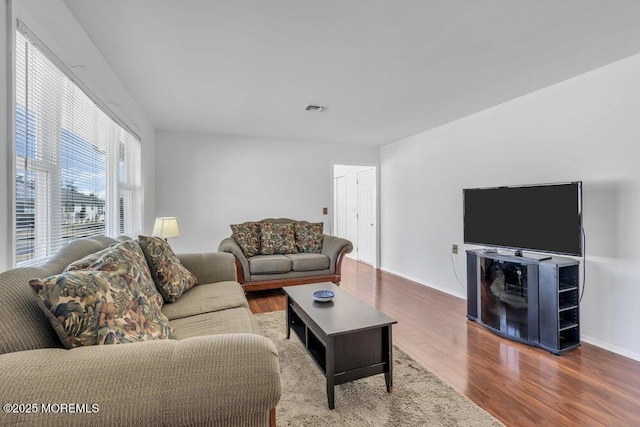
pixel 566 115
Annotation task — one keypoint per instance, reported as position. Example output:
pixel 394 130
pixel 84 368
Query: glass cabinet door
pixel 504 297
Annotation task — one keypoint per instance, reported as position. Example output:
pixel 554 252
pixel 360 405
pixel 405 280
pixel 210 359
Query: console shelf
pixel 525 299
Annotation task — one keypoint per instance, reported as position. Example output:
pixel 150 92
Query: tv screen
pixel 541 218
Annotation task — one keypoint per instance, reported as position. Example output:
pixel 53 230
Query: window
pixel 78 171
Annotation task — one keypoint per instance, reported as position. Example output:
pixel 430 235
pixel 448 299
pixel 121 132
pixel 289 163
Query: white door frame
pixel 376 169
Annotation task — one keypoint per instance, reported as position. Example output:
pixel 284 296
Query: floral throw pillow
pixel 89 307
pixel 247 235
pixel 171 277
pixel 309 237
pixel 277 238
pixel 85 262
pixel 128 259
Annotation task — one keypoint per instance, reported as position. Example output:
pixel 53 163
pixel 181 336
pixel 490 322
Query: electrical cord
pixel 455 272
pixel 584 262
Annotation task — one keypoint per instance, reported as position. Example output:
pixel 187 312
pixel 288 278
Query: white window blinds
pixel 78 172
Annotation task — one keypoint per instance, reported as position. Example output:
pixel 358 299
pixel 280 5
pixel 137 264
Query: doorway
pixel 355 209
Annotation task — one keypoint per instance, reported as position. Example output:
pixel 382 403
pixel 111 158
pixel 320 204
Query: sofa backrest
pixel 281 221
pixel 278 220
pixel 23 325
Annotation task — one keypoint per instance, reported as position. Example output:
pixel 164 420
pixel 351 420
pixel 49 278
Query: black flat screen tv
pixel 541 218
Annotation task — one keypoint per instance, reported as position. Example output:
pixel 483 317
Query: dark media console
pixel 531 300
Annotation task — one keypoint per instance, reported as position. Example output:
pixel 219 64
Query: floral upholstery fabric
pixel 85 262
pixel 127 258
pixel 247 235
pixel 172 279
pixel 309 237
pixel 278 239
pixel 107 304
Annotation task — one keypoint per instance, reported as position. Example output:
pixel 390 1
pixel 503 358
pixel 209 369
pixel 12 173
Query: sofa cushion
pixel 101 306
pixel 277 238
pixel 309 237
pixel 247 236
pixel 308 262
pixel 232 321
pixel 205 299
pixel 269 264
pixel 170 276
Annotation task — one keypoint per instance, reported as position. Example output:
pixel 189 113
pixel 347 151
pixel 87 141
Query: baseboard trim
pixel 609 347
pixel 429 285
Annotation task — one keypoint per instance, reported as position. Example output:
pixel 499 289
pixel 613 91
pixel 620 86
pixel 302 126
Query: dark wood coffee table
pixel 347 338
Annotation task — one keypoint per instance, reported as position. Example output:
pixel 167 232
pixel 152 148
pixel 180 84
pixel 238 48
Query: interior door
pixel 366 242
pixel 340 206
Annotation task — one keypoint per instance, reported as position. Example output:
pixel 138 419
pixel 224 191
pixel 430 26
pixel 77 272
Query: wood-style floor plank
pixel 520 385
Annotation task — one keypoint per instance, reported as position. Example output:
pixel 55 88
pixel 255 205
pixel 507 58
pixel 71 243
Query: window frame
pixel 47 235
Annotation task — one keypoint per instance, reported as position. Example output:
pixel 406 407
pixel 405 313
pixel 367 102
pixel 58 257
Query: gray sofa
pixel 218 370
pixel 275 271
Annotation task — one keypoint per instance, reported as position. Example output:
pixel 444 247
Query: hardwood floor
pixel 520 385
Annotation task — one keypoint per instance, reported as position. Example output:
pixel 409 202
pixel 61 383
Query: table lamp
pixel 166 227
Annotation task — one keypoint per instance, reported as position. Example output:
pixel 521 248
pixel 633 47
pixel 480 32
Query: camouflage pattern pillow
pixel 171 277
pixel 247 236
pixel 309 237
pixel 277 238
pixel 89 307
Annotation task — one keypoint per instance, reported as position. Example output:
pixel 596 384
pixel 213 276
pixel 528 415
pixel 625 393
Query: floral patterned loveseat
pixel 200 359
pixel 272 253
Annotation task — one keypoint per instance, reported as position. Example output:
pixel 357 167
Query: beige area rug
pixel 419 398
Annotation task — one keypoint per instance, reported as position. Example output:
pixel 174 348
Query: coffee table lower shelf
pixel 345 357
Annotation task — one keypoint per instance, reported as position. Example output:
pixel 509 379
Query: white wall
pixel 211 181
pixel 586 128
pixel 56 26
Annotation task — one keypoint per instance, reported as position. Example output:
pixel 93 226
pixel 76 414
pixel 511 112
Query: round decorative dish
pixel 323 296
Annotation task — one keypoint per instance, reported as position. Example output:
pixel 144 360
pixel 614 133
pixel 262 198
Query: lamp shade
pixel 166 227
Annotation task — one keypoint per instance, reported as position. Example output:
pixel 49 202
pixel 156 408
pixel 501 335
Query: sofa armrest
pixel 231 246
pixel 335 248
pixel 210 267
pixel 164 382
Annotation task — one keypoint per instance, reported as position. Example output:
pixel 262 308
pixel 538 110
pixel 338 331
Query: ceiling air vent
pixel 314 108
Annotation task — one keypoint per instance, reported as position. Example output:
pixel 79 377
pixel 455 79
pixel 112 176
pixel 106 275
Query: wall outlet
pixel 454 249
pixel 325 211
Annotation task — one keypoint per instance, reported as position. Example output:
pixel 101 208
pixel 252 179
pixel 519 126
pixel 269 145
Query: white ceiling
pixel 386 69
